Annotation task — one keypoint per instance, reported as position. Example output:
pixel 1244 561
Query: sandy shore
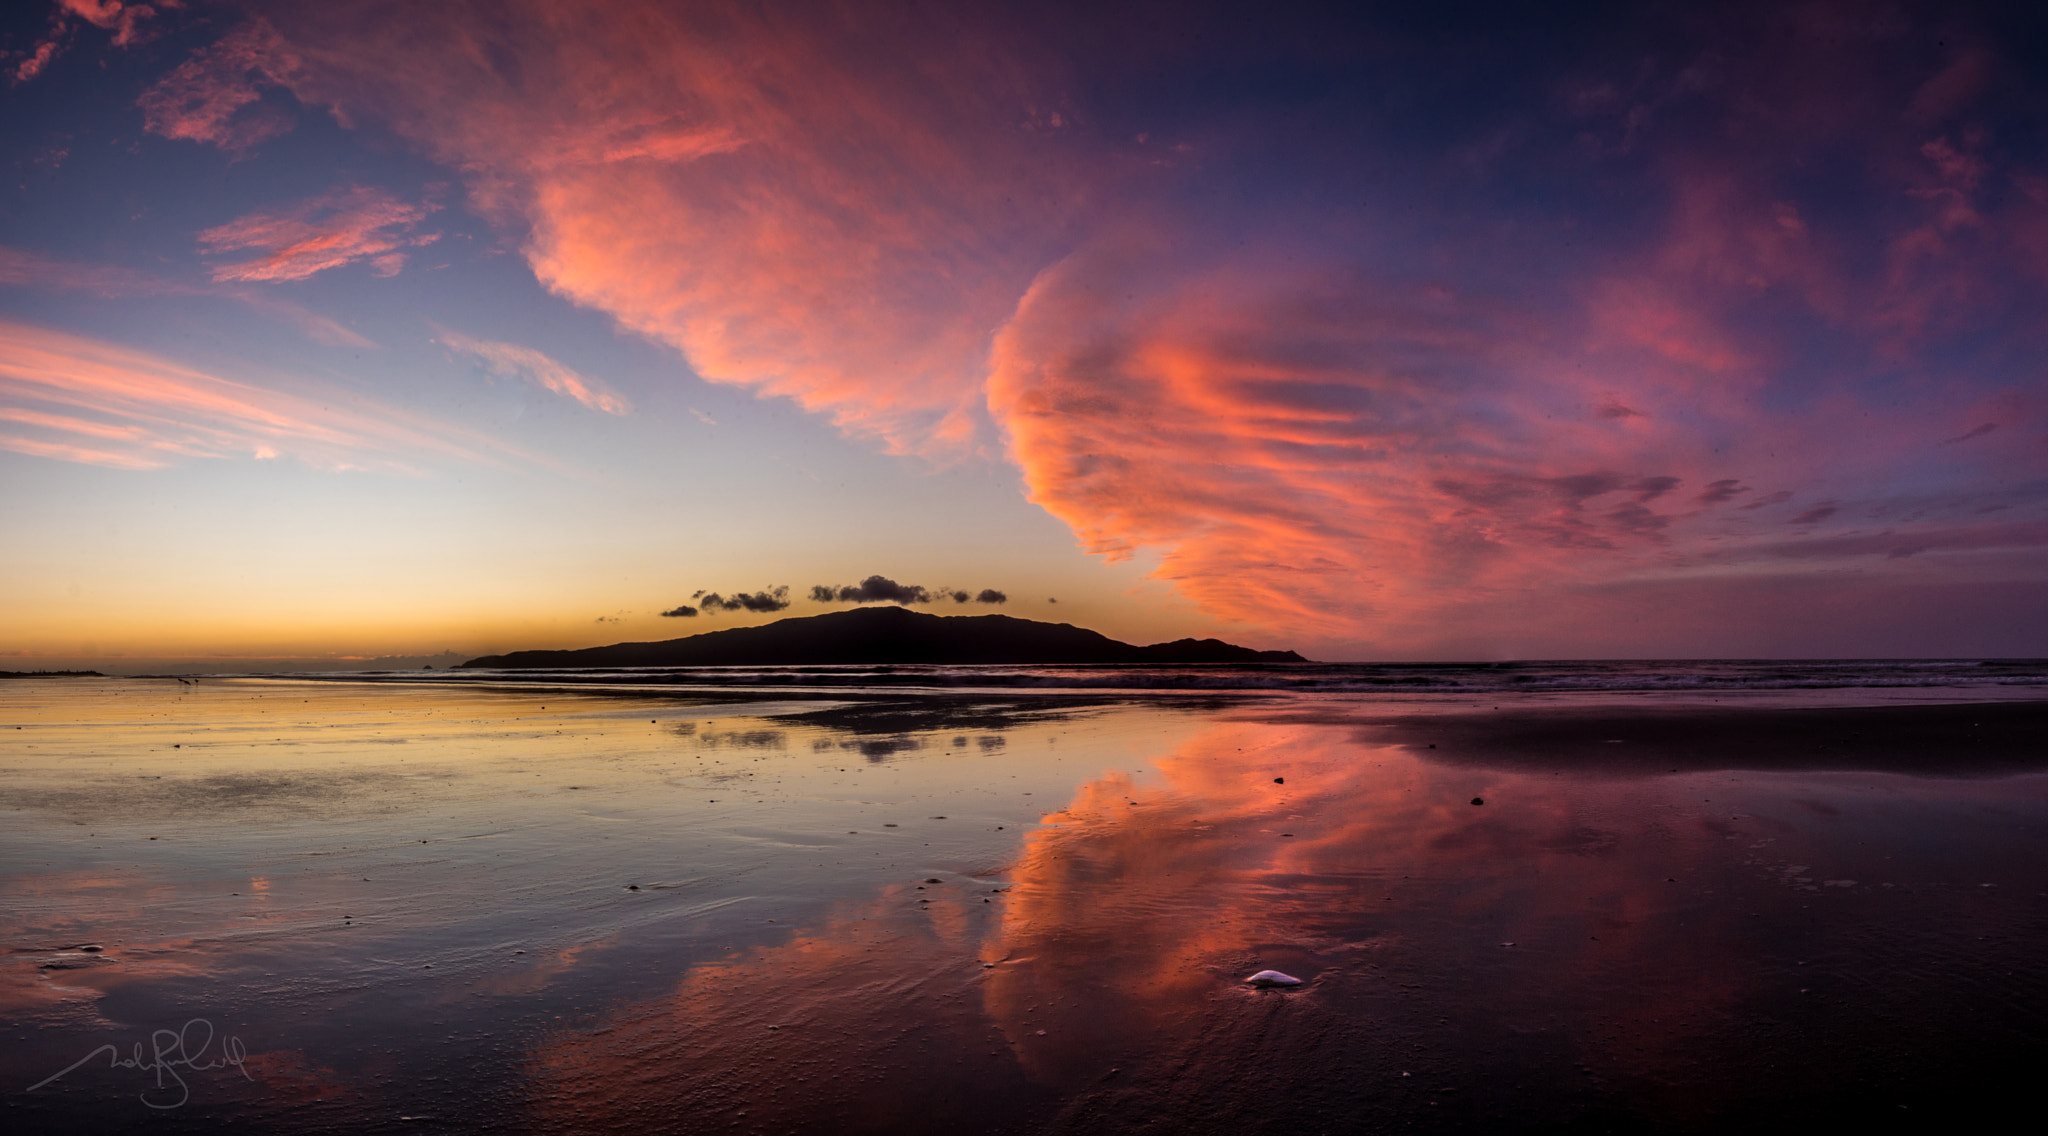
pixel 546 911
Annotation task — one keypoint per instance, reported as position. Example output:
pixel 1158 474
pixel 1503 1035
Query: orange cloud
pixel 510 360
pixel 76 399
pixel 335 229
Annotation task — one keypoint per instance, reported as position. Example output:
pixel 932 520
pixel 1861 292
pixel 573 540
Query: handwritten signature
pixel 171 1050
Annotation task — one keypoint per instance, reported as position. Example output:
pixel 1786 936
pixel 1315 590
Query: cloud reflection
pixel 1106 967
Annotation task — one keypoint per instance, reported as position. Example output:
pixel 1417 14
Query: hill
pixel 884 635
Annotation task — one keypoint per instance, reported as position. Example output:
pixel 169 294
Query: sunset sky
pixel 347 330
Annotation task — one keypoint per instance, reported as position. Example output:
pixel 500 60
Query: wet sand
pixel 424 908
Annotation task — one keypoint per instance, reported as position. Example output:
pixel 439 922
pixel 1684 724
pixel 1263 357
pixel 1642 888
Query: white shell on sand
pixel 1273 978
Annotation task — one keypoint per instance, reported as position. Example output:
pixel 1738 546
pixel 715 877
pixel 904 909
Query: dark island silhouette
pixel 888 635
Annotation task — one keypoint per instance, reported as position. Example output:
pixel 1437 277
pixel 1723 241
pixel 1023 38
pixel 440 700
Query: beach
pixel 864 904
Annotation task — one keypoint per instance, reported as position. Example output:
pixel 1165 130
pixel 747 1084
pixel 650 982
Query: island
pixel 889 635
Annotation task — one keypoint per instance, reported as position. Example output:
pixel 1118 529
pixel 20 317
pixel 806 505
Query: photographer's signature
pixel 171 1050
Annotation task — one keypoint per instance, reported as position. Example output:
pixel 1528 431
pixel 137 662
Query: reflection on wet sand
pixel 1635 952
pixel 622 915
pixel 867 1023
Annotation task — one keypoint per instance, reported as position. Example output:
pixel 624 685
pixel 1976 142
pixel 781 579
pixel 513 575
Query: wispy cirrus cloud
pixel 356 224
pixel 71 398
pixel 28 270
pixel 512 361
pixel 312 324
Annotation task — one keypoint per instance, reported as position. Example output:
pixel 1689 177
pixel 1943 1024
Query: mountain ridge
pixel 887 635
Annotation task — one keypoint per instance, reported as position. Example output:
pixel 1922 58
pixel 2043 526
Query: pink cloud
pixel 38 59
pixel 336 229
pixel 792 204
pixel 510 360
pixel 124 20
pixel 75 399
pixel 1291 446
pixel 1310 424
pixel 1321 454
pixel 215 97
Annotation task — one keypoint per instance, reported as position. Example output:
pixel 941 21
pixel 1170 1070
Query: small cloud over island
pixel 711 603
pixel 874 589
pixel 881 589
pixel 765 600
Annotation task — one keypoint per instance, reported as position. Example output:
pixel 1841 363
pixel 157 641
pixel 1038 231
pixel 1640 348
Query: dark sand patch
pixel 1990 739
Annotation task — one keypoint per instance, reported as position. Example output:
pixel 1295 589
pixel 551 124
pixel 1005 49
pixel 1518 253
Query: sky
pixel 349 333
